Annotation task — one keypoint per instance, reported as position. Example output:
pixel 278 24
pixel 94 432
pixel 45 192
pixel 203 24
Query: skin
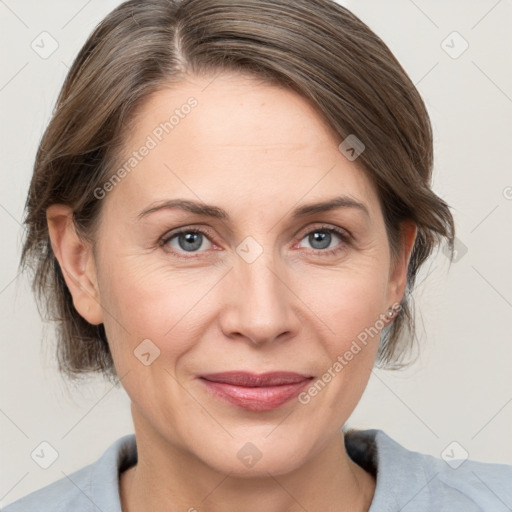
pixel 257 151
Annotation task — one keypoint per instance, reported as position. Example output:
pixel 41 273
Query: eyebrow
pixel 215 212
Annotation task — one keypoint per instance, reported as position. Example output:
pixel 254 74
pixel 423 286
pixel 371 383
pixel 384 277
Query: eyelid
pixel 342 232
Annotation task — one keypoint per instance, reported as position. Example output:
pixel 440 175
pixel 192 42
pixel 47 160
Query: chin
pixel 257 458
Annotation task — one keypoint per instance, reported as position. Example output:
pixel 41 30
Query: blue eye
pixel 193 240
pixel 187 240
pixel 321 238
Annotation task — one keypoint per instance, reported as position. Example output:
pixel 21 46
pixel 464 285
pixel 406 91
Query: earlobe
pixel 76 260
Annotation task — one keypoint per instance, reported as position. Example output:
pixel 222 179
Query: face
pixel 254 283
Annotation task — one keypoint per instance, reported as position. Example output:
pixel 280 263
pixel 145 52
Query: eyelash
pixel 344 236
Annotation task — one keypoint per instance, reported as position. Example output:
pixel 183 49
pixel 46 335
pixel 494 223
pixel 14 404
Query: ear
pixel 76 260
pixel 398 271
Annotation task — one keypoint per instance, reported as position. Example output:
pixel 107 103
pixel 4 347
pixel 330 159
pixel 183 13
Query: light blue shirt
pixel 407 481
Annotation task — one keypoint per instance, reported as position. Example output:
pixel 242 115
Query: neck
pixel 169 477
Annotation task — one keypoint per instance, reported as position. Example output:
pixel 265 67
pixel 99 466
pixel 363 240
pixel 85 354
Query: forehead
pixel 237 139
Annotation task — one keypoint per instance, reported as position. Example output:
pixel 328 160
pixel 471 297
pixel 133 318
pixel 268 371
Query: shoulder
pixel 412 481
pixel 91 488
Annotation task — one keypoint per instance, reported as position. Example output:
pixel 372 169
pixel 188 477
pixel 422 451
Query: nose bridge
pixel 261 309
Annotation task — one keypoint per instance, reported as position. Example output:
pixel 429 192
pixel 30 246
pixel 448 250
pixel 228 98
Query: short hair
pixel 316 48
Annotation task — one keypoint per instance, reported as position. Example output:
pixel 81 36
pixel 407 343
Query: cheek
pixel 148 302
pixel 347 300
pixel 349 304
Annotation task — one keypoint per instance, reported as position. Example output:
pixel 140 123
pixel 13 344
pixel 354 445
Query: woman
pixel 228 210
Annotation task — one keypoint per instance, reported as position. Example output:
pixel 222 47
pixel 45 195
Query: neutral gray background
pixel 461 387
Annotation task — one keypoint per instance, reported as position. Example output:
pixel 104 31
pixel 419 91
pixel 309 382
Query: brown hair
pixel 315 47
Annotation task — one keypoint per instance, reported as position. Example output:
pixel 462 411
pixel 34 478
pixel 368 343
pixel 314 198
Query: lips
pixel 251 380
pixel 255 392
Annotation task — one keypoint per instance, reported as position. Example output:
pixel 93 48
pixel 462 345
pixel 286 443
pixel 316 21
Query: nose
pixel 260 305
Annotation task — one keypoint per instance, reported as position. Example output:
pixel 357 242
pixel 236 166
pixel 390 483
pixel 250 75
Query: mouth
pixel 255 392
